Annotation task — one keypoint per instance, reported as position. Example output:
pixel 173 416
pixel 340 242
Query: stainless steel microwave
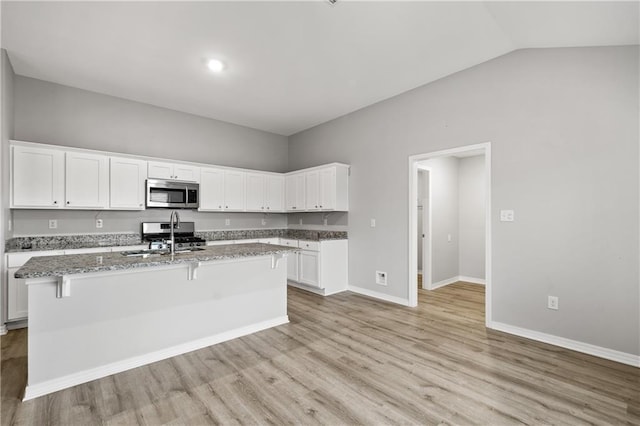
pixel 172 194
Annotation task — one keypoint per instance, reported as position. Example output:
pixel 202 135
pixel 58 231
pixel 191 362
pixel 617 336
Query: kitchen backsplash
pixel 60 242
pixel 36 222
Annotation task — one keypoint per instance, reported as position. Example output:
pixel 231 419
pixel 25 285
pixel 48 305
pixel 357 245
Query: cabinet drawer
pixel 288 242
pixel 309 245
pixel 15 260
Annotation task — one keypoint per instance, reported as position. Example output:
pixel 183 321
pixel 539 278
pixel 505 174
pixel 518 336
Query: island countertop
pixel 57 266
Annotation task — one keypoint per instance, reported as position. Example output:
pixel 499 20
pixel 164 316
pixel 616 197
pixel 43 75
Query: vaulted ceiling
pixel 289 65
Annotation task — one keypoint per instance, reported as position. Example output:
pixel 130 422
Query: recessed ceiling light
pixel 215 65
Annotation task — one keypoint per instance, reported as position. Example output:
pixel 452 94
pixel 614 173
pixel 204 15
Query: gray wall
pixel 36 222
pixel 563 124
pixel 471 196
pixel 61 115
pixel 444 217
pixel 6 133
pixel 50 113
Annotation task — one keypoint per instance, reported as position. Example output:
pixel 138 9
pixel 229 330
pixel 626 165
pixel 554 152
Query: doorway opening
pixel 434 251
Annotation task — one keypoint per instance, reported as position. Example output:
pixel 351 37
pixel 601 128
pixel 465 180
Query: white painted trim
pixel 587 348
pixel 413 224
pixel 378 295
pixel 472 280
pixel 443 283
pixel 50 386
pixel 3 330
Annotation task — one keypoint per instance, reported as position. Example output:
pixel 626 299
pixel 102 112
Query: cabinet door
pixel 255 192
pixel 312 185
pixel 159 170
pixel 234 190
pixel 327 189
pixel 274 193
pixel 127 183
pixel 186 172
pixel 212 189
pixel 308 272
pixel 87 181
pixel 294 193
pixel 37 177
pixel 292 266
pixel 17 300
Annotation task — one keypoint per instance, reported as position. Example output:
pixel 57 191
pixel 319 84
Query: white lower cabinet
pixel 17 295
pixel 320 266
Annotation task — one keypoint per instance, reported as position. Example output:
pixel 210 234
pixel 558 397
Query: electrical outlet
pixel 448 238
pixel 264 222
pixel 381 278
pixel 98 223
pixel 372 223
pixel 53 224
pixel 507 216
pixel 9 225
pixel 552 302
pixel 300 222
pixel 227 222
pixel 325 221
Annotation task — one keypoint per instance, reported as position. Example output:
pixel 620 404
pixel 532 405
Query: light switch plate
pixel 507 215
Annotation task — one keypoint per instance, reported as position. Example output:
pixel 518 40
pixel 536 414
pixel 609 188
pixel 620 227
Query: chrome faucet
pixel 175 218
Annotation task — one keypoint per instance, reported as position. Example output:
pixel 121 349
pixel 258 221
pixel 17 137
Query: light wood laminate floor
pixel 348 359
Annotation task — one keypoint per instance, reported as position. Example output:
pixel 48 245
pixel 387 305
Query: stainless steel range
pixel 157 234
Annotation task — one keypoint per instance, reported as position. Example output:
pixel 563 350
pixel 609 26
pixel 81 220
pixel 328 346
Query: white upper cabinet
pixel 37 177
pixel 127 183
pixel 173 171
pixel 87 181
pixel 294 193
pixel 221 189
pixel 234 190
pixel 264 192
pixel 50 177
pixel 211 189
pixel 312 190
pixel 274 193
pixel 327 188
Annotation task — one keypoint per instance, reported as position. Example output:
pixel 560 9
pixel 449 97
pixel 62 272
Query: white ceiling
pixel 291 65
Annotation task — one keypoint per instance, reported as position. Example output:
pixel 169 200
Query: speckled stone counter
pixel 57 266
pixel 61 242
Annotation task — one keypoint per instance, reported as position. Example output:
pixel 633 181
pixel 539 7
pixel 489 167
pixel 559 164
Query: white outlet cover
pixel 381 278
pixel 99 223
pixel 227 222
pixel 373 223
pixel 264 222
pixel 53 224
pixel 507 215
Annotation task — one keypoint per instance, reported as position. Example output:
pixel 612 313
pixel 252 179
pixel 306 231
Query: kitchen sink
pixel 157 252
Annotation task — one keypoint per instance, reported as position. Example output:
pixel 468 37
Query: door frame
pixel 427 243
pixel 413 220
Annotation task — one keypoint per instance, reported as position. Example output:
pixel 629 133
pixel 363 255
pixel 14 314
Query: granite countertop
pixel 69 242
pixel 56 266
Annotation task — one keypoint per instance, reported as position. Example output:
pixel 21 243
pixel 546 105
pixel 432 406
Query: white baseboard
pixel 587 348
pixel 43 388
pixel 3 330
pixel 444 282
pixel 457 278
pixel 472 280
pixel 378 295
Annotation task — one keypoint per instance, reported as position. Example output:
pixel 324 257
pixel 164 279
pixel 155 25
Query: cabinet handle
pixel 140 205
pixel 320 206
pixel 55 202
pixel 262 207
pixel 68 202
pixel 226 207
pixel 219 207
pixel 294 207
pixel 267 208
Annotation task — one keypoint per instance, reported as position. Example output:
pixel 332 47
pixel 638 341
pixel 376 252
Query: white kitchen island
pixel 98 314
